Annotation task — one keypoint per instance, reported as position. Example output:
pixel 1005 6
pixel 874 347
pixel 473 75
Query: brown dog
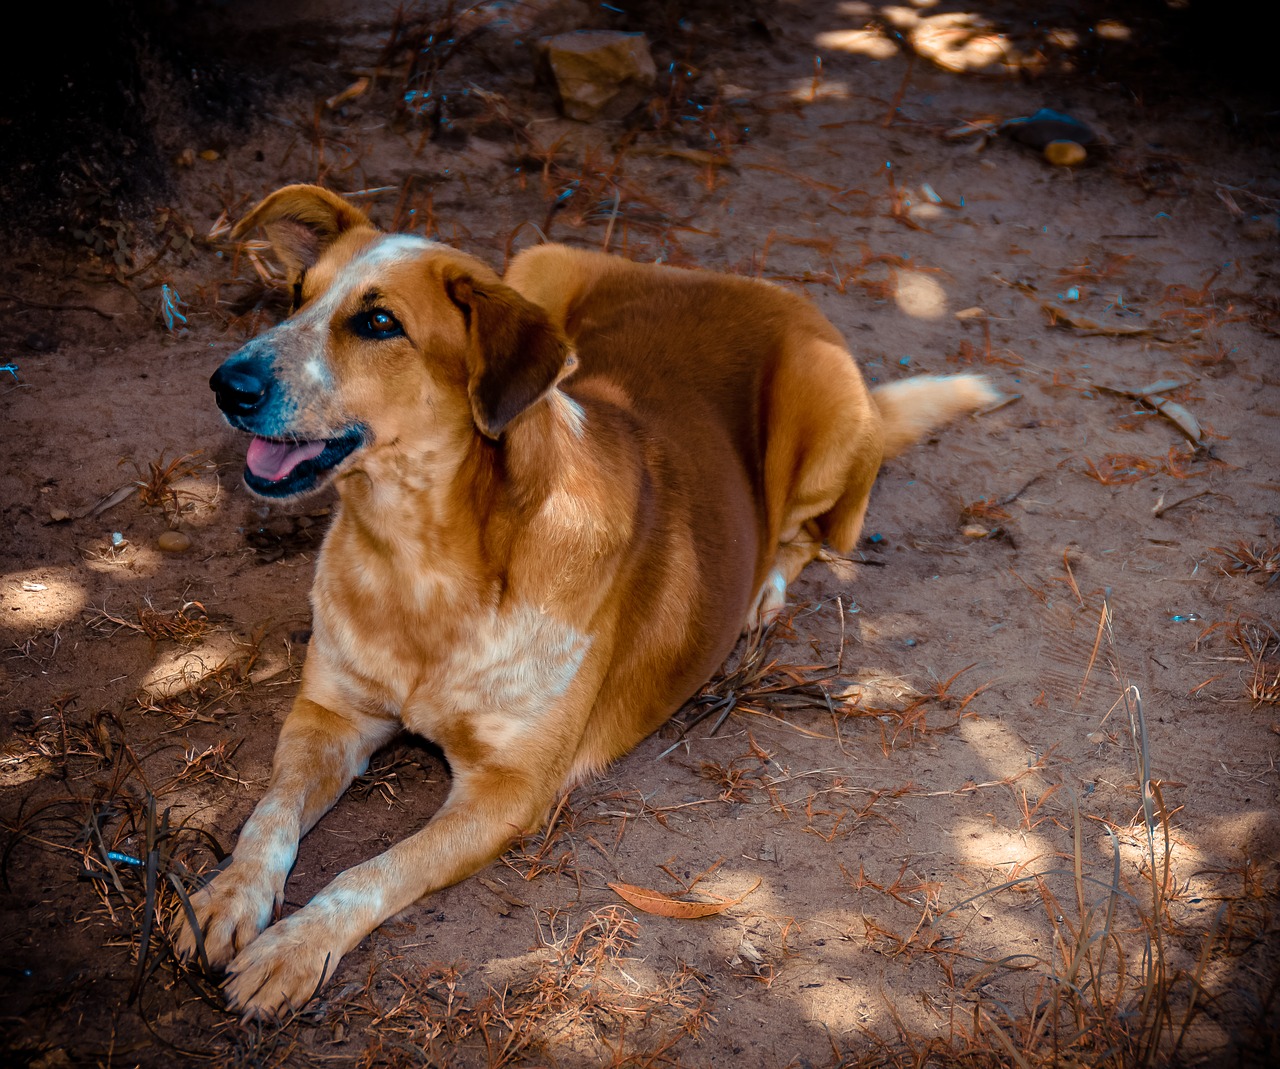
pixel 562 497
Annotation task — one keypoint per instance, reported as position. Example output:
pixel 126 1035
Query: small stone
pixel 210 155
pixel 59 515
pixel 174 542
pixel 598 73
pixel 1065 153
pixel 974 530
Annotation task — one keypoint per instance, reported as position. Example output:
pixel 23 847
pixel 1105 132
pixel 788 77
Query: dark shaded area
pixel 99 97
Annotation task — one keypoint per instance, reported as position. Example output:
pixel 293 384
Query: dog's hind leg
pixel 793 555
pixel 319 753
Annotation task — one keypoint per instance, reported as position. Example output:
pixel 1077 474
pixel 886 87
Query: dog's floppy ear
pixel 302 221
pixel 515 355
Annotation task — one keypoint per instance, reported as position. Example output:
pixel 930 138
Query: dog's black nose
pixel 239 391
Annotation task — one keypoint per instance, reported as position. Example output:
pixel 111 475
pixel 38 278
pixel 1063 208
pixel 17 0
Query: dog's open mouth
pixel 277 467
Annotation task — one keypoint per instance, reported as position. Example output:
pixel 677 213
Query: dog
pixel 563 495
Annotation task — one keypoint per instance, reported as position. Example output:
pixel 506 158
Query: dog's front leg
pixel 318 755
pixel 487 807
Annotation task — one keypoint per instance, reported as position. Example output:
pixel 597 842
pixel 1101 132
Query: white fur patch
pixel 512 669
pixel 569 411
pixel 318 372
pixel 344 903
pixel 272 834
pixel 360 272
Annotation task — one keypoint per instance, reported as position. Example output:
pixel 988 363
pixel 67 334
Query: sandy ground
pixel 928 804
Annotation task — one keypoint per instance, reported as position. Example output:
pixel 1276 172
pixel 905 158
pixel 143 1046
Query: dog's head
pixel 394 342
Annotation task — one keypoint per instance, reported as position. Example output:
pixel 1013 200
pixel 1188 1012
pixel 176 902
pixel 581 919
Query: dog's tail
pixel 914 407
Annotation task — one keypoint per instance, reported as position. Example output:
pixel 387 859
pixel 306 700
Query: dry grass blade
pixel 1250 558
pixel 757 682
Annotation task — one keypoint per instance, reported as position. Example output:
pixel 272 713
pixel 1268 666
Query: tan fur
pixel 576 486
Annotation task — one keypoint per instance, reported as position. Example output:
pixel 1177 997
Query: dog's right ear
pixel 302 221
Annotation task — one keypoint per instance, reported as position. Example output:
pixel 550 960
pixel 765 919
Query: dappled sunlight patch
pixel 871 686
pixel 1011 851
pixel 193 683
pixel 840 1004
pixel 920 295
pixel 962 42
pixel 40 598
pixel 176 672
pixel 999 748
pixel 871 42
pixel 966 43
pixel 817 88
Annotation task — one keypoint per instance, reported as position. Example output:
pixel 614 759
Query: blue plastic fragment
pixel 1188 617
pixel 11 368
pixel 123 859
pixel 171 305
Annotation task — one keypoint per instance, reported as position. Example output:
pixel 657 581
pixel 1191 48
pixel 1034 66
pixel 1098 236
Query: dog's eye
pixel 377 324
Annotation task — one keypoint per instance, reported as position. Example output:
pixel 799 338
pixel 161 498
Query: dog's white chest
pixel 501 671
pixel 513 668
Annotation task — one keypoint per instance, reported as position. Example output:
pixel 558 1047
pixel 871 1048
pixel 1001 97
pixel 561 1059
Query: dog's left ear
pixel 515 354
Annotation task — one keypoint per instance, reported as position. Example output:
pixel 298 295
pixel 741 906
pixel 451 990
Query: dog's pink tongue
pixel 274 460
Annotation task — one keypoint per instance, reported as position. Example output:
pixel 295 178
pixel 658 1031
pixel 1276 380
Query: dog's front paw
pixel 230 912
pixel 283 968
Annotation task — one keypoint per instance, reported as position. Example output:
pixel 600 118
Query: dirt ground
pixel 1003 789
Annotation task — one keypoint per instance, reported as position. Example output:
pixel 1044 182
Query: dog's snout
pixel 239 390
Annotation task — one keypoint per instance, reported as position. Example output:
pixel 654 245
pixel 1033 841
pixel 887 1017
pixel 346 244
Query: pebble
pixel 174 542
pixel 974 530
pixel 59 515
pixel 1065 153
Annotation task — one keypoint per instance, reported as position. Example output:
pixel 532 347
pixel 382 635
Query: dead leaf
pixel 503 893
pixel 1177 414
pixel 1060 315
pixel 355 89
pixel 661 905
pixel 111 500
